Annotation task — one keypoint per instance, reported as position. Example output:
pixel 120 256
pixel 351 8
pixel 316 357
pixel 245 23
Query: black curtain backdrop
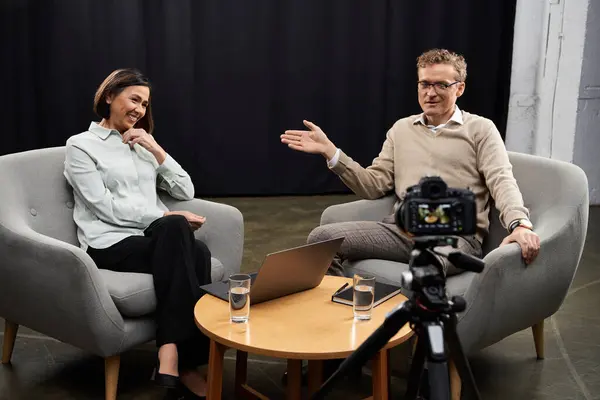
pixel 230 76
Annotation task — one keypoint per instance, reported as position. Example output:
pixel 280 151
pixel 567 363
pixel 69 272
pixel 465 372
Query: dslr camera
pixel 432 208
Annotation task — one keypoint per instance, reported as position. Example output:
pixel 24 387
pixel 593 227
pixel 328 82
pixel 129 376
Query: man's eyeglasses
pixel 437 86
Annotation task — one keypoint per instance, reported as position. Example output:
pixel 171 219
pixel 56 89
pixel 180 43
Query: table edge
pixel 293 355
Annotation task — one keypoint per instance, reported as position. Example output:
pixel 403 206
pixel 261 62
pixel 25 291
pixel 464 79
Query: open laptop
pixel 285 272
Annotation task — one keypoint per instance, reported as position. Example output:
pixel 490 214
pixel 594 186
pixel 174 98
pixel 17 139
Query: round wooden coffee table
pixel 302 326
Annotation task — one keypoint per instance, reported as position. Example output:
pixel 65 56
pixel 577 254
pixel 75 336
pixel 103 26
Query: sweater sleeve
pixel 374 181
pixel 493 163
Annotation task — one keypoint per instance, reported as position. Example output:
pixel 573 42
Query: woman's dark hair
pixel 113 85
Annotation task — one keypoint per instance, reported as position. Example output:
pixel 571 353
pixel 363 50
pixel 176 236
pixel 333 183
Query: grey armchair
pixel 50 285
pixel 507 296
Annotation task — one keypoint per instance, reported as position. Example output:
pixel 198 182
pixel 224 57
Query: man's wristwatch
pixel 523 222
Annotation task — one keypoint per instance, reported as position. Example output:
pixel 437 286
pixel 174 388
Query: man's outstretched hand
pixel 313 141
pixel 528 240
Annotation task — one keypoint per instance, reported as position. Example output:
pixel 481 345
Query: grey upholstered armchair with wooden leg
pixel 507 296
pixel 50 285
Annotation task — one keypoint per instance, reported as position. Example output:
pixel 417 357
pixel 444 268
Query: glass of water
pixel 364 294
pixel 239 297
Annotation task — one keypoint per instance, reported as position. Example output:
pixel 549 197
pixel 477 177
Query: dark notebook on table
pixel 383 292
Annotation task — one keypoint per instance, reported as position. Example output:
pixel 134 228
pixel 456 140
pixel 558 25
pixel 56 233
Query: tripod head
pixel 425 276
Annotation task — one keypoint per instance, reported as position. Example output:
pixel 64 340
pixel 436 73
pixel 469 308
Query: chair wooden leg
pixel 111 376
pixel 538 339
pixel 455 382
pixel 10 334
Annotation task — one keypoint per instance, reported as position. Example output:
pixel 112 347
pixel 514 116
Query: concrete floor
pixel 43 368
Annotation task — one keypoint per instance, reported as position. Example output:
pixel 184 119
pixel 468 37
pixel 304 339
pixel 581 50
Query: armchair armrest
pixel 509 296
pixel 359 210
pixel 223 231
pixel 55 288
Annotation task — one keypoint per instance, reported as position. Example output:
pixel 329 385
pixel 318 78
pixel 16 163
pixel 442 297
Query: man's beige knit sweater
pixel 471 154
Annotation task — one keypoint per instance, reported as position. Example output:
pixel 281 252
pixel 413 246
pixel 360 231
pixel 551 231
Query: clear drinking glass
pixel 363 294
pixel 239 297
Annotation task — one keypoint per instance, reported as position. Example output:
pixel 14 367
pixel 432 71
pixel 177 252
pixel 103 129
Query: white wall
pixel 549 115
pixel 524 91
pixel 587 136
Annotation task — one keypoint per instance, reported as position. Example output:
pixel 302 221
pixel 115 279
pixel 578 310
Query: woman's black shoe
pixel 187 394
pixel 164 380
pixel 173 394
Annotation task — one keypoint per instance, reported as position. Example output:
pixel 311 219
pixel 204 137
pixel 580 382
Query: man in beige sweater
pixel 464 149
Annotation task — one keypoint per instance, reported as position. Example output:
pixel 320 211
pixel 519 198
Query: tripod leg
pixel 459 359
pixel 439 388
pixel 395 320
pixel 416 370
pixel 437 367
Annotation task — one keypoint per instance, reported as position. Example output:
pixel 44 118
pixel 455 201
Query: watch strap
pixel 514 224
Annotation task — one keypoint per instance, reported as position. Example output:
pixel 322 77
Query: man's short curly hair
pixel 443 56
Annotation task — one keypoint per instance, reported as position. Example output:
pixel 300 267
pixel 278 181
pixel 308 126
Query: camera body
pixel 432 208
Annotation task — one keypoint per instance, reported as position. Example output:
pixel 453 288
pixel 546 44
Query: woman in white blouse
pixel 115 168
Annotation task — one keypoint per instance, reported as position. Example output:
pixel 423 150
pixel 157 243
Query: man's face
pixel 435 97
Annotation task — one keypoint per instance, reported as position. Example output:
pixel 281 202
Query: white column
pixel 547 60
pixel 587 136
pixel 529 38
pixel 570 44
